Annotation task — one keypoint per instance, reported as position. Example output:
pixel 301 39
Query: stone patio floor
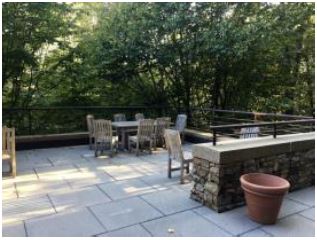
pixel 68 192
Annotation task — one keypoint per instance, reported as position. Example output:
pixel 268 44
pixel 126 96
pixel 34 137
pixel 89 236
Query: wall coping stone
pixel 228 152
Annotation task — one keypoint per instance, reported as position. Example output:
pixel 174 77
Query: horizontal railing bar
pixel 154 106
pixel 84 107
pixel 235 119
pixel 277 123
pixel 260 113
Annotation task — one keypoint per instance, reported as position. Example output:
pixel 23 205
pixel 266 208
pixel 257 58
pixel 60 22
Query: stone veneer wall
pixel 216 182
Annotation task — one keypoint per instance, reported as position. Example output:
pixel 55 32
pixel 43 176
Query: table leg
pixel 123 139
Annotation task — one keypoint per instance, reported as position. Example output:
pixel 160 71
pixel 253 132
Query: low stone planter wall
pixel 217 169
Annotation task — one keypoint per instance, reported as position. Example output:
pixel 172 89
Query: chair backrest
pixel 174 144
pixel 90 125
pixel 145 129
pixel 103 129
pixel 119 117
pixel 162 124
pixel 139 116
pixel 249 132
pixel 8 140
pixel 181 122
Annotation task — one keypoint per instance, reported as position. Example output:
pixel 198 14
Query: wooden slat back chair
pixel 144 136
pixel 8 148
pixel 175 153
pixel 161 124
pixel 103 136
pixel 119 117
pixel 180 124
pixel 139 116
pixel 90 126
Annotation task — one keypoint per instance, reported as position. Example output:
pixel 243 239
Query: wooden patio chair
pixel 119 117
pixel 90 126
pixel 8 148
pixel 180 125
pixel 103 137
pixel 175 153
pixel 139 116
pixel 161 124
pixel 144 137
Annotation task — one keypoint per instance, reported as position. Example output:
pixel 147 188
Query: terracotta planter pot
pixel 264 195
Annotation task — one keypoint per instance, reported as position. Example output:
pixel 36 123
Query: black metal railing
pixel 68 119
pixel 275 127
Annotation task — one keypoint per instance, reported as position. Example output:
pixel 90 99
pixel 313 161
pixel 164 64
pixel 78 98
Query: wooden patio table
pixel 123 128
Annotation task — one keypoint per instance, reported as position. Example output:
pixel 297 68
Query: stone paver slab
pixel 306 196
pixel 15 229
pixel 290 207
pixel 121 172
pixel 123 213
pixel 84 179
pixel 256 233
pixel 184 224
pixel 25 208
pixel 127 188
pixel 160 180
pixel 79 223
pixel 40 187
pixel 171 201
pixel 234 221
pixel 56 172
pixel 133 231
pixel 309 213
pixel 292 226
pixel 76 198
pixel 9 193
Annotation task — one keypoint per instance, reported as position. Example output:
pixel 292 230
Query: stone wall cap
pixel 241 149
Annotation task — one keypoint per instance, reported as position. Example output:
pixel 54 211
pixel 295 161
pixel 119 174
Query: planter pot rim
pixel 279 185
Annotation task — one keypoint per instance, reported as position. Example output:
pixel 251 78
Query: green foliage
pixel 248 56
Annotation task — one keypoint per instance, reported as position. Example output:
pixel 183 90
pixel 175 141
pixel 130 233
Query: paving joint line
pixel 299 202
pixel 25 228
pixel 266 231
pixel 250 230
pixel 148 231
pixel 151 205
pixel 306 217
pixel 97 185
pixel 225 230
pixel 98 220
pixel 50 200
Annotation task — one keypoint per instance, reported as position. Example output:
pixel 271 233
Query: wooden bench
pixel 8 148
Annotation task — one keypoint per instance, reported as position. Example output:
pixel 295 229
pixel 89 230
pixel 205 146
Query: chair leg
pixel 150 146
pixel 155 143
pixel 90 143
pixel 187 168
pixel 111 149
pixel 129 145
pixel 14 168
pixel 137 149
pixel 182 172
pixel 183 137
pixel 169 168
pixel 96 149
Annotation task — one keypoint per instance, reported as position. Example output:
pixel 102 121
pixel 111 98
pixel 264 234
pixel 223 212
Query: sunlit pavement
pixel 68 192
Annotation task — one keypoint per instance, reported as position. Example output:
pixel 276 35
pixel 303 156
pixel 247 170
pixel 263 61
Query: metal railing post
pixel 214 137
pixel 30 122
pixel 274 130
